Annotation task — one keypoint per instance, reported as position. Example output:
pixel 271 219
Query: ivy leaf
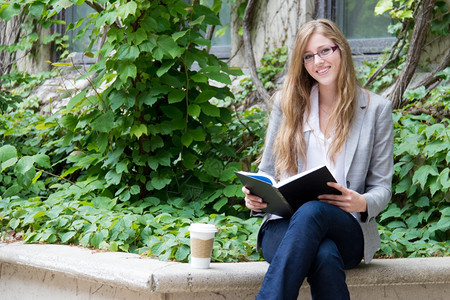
pixel 124 10
pixel 198 77
pixel 205 96
pixel 383 6
pixel 445 178
pixel 220 77
pixel 42 160
pixel 24 165
pixel 232 190
pixel 197 21
pixel 127 70
pixel 147 99
pixel 159 182
pixel 9 10
pixel 165 67
pixel 435 147
pixel 96 238
pixel 219 204
pixel 7 152
pixel 423 201
pixel 421 175
pixel 186 139
pixel 76 100
pixel 112 177
pixel 210 16
pixel 139 36
pixel 36 9
pixel 135 189
pixel 168 45
pixel 189 160
pixel 104 123
pixel 9 163
pixel 102 202
pixel 176 96
pixel 210 110
pixel 194 110
pixel 12 191
pixel 213 167
pixel 148 45
pixel 64 4
pixel 69 121
pixel 182 253
pixel 434 185
pixel 127 52
pixel 179 34
pixel 138 130
pixel 415 94
pixel 197 134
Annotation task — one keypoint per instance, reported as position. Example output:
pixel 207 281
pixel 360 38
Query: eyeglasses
pixel 325 52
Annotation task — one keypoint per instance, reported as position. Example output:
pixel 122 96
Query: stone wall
pixel 434 50
pixel 275 25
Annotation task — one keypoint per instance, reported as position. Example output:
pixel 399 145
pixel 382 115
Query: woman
pixel 322 116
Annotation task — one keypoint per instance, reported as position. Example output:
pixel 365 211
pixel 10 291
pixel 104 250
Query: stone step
pixel 41 271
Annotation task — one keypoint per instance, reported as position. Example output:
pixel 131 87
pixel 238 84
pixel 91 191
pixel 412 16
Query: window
pixel 366 33
pixel 73 14
pixel 221 41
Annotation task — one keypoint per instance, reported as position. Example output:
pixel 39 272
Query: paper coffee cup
pixel 202 240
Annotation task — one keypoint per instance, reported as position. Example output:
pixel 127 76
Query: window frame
pixel 362 49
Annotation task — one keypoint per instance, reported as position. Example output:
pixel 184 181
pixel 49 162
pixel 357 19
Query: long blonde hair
pixel 290 142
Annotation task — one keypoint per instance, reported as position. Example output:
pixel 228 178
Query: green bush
pixel 417 221
pixel 130 166
pixel 37 205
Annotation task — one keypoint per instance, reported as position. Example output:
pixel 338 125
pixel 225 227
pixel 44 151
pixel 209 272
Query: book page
pixel 292 178
pixel 260 176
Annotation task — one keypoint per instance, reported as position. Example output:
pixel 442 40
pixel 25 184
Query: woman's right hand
pixel 253 202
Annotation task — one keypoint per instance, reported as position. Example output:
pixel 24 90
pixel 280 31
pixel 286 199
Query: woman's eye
pixel 325 51
pixel 307 57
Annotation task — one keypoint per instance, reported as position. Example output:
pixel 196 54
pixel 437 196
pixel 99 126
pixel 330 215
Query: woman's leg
pixel 327 276
pixel 293 260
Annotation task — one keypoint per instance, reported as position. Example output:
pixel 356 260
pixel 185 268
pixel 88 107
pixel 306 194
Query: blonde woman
pixel 322 116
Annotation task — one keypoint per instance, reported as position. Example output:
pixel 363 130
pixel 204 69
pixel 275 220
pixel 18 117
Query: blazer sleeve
pixel 267 164
pixel 379 176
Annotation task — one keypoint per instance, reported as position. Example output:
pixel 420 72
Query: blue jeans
pixel 319 242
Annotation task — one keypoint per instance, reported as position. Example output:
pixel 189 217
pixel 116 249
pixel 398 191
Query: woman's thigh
pixel 324 221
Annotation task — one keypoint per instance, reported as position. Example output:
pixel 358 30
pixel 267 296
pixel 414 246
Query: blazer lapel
pixel 354 134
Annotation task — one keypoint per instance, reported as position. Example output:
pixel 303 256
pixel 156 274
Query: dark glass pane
pixel 357 20
pixel 222 34
pixel 73 15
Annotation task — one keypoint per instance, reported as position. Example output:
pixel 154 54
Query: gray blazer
pixel 368 160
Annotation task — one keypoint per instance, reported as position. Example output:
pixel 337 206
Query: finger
pixel 337 186
pixel 254 198
pixel 338 204
pixel 245 190
pixel 256 204
pixel 330 197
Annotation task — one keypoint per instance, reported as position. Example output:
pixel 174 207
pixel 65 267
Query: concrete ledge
pixel 78 273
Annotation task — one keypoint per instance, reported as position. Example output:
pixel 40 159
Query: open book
pixel 285 197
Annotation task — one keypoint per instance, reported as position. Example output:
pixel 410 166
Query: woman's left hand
pixel 350 201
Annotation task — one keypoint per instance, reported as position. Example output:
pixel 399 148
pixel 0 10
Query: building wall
pixel 275 25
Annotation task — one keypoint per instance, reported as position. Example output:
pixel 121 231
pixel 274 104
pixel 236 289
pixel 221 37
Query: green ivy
pixel 417 221
pixel 153 145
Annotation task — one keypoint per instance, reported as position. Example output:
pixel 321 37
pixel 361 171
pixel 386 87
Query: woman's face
pixel 323 69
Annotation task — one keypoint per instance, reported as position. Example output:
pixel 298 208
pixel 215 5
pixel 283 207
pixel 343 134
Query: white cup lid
pixel 201 227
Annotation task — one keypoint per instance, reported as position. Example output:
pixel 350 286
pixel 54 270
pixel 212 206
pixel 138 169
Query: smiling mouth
pixel 323 71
